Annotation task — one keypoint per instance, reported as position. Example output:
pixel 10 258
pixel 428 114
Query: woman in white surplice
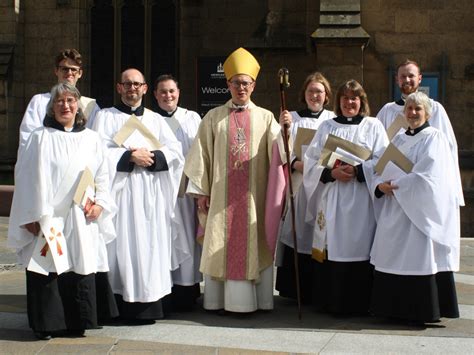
pixel 315 94
pixel 61 289
pixel 417 241
pixel 340 207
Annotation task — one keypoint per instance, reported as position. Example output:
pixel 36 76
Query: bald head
pixel 132 87
pixel 134 72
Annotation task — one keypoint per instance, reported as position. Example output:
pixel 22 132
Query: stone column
pixel 340 41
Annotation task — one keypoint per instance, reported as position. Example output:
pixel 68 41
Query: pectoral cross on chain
pixel 239 147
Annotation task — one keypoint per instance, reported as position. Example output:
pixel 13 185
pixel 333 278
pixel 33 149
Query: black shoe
pixel 133 322
pixel 76 333
pixel 43 335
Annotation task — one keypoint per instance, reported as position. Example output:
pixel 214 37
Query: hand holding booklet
pixel 342 157
pixel 134 134
pixel 84 196
pixel 398 123
pixel 395 156
pixel 88 199
pixel 345 151
pixel 304 136
pixel 392 172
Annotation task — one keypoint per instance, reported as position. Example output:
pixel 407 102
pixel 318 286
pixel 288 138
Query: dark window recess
pixel 161 51
pixel 133 35
pixel 102 53
pixel 163 42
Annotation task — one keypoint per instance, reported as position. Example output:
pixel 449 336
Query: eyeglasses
pixel 237 84
pixel 129 84
pixel 65 70
pixel 69 101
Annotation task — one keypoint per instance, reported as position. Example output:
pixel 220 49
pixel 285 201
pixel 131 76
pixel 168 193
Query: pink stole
pixel 238 187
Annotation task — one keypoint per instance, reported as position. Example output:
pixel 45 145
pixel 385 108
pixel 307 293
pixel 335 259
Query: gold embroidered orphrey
pixel 240 144
pixel 321 220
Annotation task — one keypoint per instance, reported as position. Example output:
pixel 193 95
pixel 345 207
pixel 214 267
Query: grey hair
pixel 66 88
pixel 419 98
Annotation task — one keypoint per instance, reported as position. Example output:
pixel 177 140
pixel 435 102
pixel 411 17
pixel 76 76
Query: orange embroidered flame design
pixel 45 248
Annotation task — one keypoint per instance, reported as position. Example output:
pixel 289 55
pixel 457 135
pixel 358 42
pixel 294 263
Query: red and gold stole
pixel 238 186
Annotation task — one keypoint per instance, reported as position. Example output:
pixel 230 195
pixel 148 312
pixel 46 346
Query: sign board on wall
pixel 212 88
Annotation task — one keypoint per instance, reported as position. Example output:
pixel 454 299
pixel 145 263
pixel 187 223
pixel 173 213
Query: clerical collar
pixel 127 109
pixel 412 132
pixel 240 107
pixel 52 123
pixel 400 102
pixel 349 120
pixel 308 113
pixel 166 113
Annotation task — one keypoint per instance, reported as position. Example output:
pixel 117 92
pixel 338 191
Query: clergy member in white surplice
pixel 145 181
pixel 60 276
pixel 315 94
pixel 417 242
pixel 184 123
pixel 68 69
pixel 409 79
pixel 340 207
pixel 228 169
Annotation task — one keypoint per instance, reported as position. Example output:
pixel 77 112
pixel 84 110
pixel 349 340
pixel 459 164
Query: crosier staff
pixel 284 74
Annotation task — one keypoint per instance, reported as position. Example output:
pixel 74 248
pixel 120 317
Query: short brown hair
pixel 164 77
pixel 408 62
pixel 72 54
pixel 319 78
pixel 356 88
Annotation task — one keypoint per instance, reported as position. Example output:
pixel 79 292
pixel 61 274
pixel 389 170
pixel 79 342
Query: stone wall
pixel 10 73
pixel 48 28
pixel 216 27
pixel 423 31
pixel 278 32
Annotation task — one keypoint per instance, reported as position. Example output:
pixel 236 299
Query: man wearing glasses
pixel 228 167
pixel 68 69
pixel 145 180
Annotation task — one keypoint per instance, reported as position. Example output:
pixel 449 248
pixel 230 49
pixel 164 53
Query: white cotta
pixel 439 119
pixel 140 257
pixel 39 173
pixel 348 226
pixel 418 229
pixel 303 230
pixel 185 124
pixel 36 112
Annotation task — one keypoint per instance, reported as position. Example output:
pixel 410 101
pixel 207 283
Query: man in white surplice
pixel 409 79
pixel 184 124
pixel 68 69
pixel 145 184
